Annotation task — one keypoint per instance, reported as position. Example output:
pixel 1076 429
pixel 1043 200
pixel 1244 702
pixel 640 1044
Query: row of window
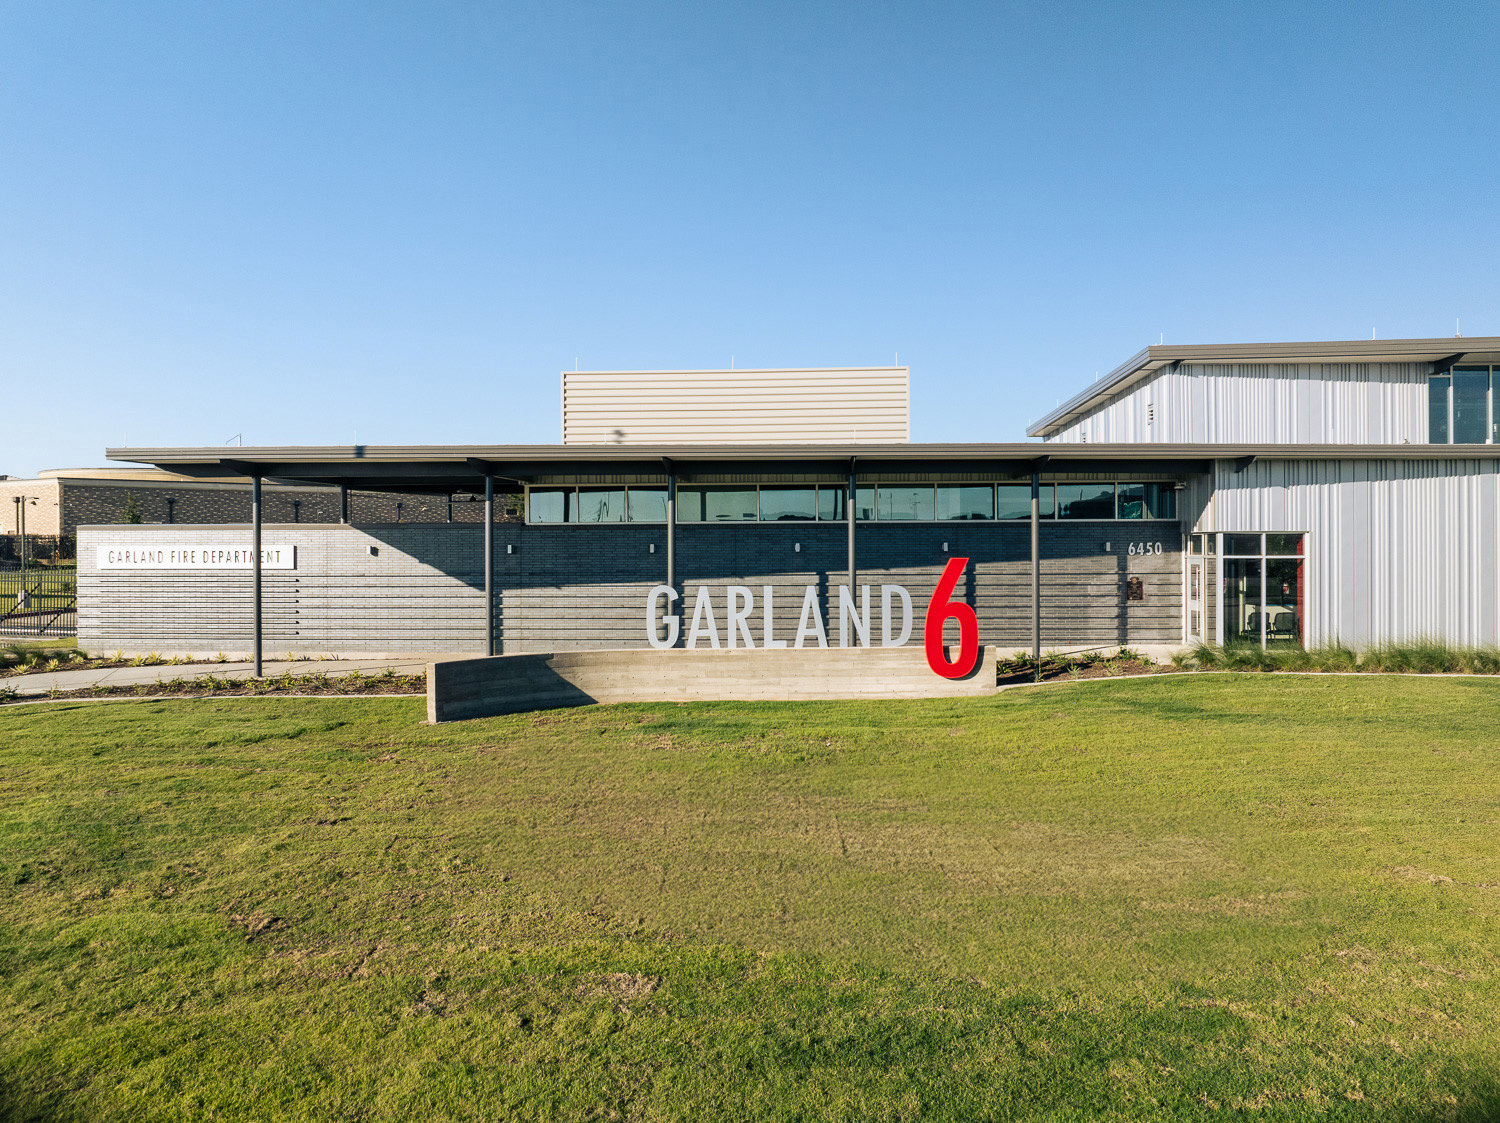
pixel 1460 406
pixel 1248 545
pixel 715 503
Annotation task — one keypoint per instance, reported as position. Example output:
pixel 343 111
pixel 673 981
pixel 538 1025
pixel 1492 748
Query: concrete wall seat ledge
pixel 508 684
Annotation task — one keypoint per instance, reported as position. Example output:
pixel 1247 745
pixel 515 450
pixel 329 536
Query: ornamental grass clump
pixel 1204 657
pixel 1398 658
pixel 1246 657
pixel 1290 659
pixel 1335 657
pixel 1420 657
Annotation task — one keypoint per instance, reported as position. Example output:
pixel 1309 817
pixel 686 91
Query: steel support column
pixel 489 565
pixel 344 504
pixel 849 510
pixel 671 525
pixel 1036 567
pixel 672 537
pixel 255 520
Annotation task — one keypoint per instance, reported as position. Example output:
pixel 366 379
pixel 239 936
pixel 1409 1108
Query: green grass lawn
pixel 13 646
pixel 1180 897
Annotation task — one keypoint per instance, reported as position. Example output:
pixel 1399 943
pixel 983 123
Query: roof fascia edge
pixel 1137 363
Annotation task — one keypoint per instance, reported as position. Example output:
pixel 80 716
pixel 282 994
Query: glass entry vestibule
pixel 1261 580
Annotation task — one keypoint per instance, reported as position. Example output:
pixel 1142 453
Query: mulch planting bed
pixel 238 688
pixel 1013 672
pixel 43 664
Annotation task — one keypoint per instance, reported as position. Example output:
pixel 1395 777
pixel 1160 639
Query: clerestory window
pixel 1460 406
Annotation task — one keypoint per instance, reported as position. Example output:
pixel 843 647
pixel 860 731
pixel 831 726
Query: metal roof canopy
pixel 1149 360
pixel 447 468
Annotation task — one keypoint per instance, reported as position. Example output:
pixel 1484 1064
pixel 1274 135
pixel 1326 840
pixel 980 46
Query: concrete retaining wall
pixel 507 684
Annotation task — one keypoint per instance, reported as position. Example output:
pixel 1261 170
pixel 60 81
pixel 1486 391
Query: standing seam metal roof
pixel 1151 359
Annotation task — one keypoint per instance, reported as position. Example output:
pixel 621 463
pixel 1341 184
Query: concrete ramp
pixel 508 684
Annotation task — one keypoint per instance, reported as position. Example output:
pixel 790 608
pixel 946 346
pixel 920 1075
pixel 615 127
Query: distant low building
pixel 805 405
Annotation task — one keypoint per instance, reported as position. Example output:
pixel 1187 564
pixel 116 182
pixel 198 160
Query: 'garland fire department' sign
pixel 182 556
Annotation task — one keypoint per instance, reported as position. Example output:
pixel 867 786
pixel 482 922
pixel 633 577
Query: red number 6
pixel 939 611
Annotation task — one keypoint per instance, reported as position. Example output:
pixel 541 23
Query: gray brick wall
pixel 580 586
pixel 420 591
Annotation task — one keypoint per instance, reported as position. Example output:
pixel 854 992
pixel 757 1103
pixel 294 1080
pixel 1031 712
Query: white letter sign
pixel 811 611
pixel 703 607
pixel 855 626
pixel 653 618
pixel 737 617
pixel 176 555
pixel 886 640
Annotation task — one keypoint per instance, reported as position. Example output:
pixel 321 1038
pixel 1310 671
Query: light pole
pixel 21 533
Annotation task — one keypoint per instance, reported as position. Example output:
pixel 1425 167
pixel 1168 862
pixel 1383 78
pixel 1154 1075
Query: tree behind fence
pixel 41 549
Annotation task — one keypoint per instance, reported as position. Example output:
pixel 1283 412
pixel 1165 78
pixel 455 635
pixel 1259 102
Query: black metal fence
pixel 38 590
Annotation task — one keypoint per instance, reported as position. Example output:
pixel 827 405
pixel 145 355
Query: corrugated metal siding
pixel 1397 550
pixel 856 404
pixel 1280 403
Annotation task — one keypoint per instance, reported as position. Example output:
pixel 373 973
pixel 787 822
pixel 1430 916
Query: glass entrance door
pixel 1197 619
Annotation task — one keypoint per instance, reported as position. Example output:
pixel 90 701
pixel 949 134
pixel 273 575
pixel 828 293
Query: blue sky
pixel 303 222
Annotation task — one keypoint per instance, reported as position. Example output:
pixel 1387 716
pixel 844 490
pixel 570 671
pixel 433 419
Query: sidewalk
pixel 47 681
